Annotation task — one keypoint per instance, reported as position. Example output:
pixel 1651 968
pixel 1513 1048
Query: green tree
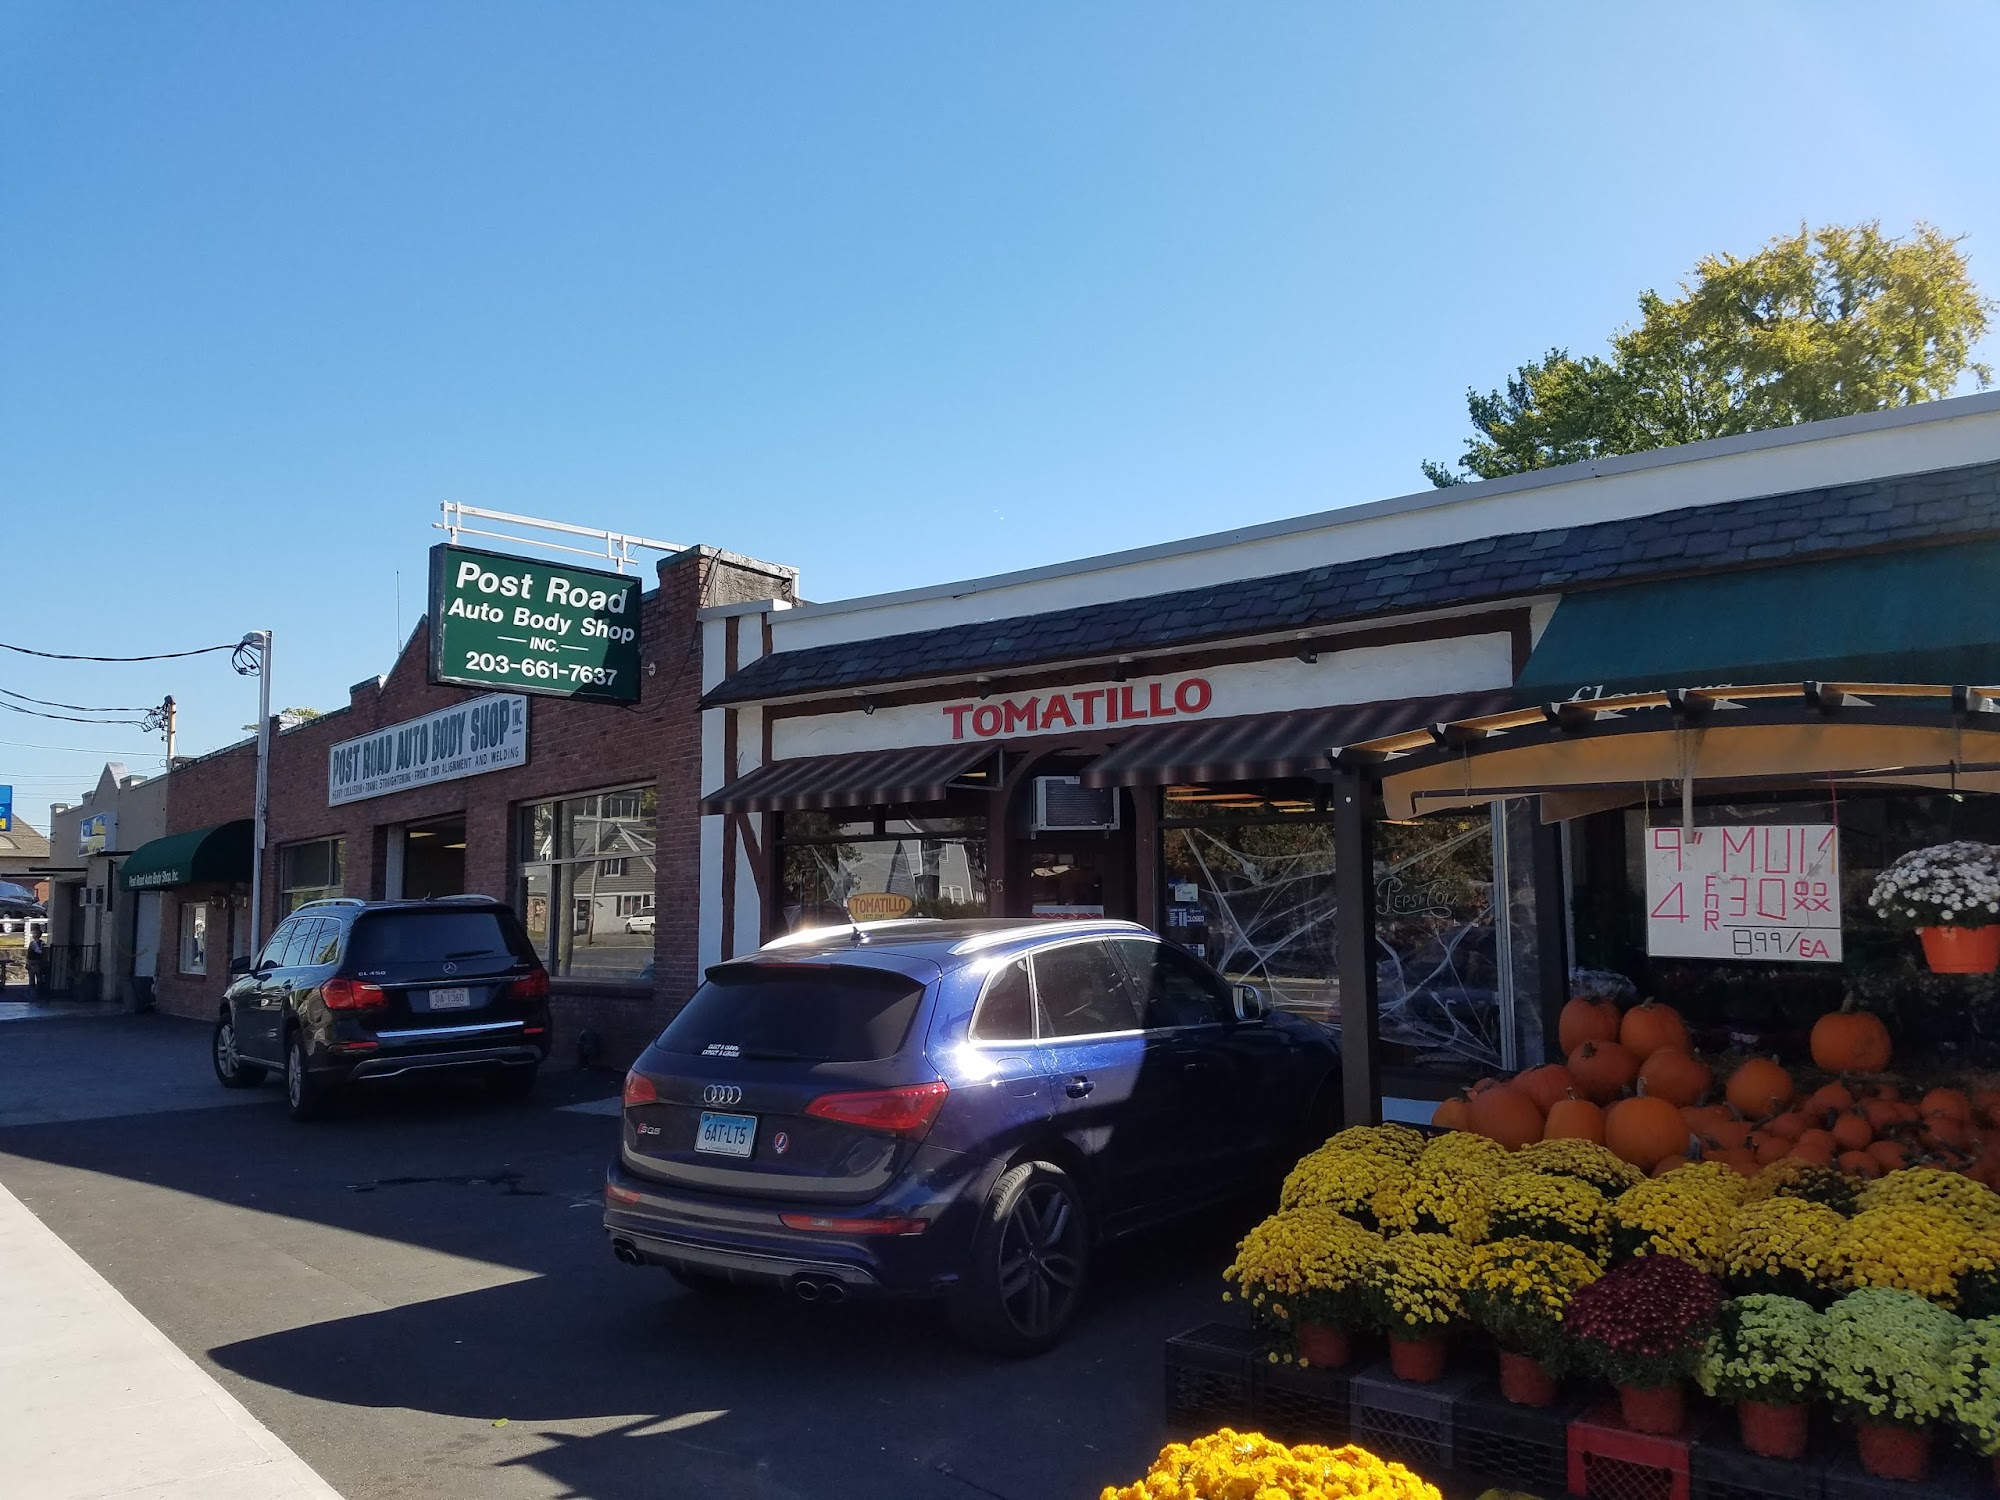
pixel 1823 323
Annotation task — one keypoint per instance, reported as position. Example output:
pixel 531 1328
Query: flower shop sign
pixel 1760 892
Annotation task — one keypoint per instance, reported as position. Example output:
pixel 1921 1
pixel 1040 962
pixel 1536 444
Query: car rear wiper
pixel 774 1054
pixel 473 953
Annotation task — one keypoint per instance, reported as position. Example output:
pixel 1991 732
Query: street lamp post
pixel 260 642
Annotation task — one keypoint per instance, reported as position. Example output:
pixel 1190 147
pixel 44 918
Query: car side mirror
pixel 239 966
pixel 1250 1003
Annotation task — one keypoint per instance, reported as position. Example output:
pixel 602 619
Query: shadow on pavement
pixel 534 1351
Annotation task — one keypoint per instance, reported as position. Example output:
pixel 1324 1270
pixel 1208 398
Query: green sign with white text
pixel 533 627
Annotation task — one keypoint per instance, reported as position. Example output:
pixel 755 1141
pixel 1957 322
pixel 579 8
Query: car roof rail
pixel 833 931
pixel 472 900
pixel 328 901
pixel 1053 926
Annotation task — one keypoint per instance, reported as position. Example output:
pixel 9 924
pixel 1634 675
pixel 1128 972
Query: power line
pixel 82 708
pixel 69 718
pixel 79 749
pixel 155 656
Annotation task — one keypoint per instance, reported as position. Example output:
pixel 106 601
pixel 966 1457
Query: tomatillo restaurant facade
pixel 1200 736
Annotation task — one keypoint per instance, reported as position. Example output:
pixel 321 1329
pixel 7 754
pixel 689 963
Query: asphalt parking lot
pixel 417 1297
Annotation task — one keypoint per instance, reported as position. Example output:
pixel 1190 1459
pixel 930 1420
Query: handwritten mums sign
pixel 1757 892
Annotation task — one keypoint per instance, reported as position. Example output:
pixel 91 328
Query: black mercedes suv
pixel 351 992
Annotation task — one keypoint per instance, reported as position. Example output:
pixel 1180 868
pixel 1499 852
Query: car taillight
pixel 820 1224
pixel 639 1090
pixel 533 986
pixel 352 994
pixel 904 1111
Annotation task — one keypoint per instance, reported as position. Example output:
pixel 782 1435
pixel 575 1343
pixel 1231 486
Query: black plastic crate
pixel 1721 1468
pixel 1509 1445
pixel 1210 1376
pixel 1404 1420
pixel 1950 1479
pixel 1303 1406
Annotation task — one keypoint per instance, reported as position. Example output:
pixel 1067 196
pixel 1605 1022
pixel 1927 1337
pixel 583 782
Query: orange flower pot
pixel 1961 950
pixel 1419 1360
pixel 1891 1452
pixel 1525 1380
pixel 1773 1431
pixel 1660 1410
pixel 1323 1346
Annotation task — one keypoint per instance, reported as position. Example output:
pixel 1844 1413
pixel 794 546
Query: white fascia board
pixel 1876 445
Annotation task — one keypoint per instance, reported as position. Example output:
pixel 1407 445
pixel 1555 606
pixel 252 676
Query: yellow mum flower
pixel 1229 1465
pixel 1341 1179
pixel 1909 1247
pixel 1783 1246
pixel 1687 1218
pixel 1597 1165
pixel 1973 1204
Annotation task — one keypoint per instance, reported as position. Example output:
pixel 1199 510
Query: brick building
pixel 593 838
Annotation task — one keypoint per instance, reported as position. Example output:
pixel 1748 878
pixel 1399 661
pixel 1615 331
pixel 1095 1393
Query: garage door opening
pixel 434 859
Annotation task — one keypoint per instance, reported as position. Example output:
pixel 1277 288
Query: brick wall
pixel 572 748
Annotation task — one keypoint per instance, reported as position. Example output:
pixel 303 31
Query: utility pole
pixel 167 711
pixel 259 641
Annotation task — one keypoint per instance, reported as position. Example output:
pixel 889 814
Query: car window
pixel 1177 990
pixel 796 1013
pixel 272 956
pixel 1007 1010
pixel 1080 989
pixel 381 939
pixel 322 945
pixel 294 955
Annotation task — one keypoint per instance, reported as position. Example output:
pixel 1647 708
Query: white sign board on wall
pixel 1418 669
pixel 467 739
pixel 1753 892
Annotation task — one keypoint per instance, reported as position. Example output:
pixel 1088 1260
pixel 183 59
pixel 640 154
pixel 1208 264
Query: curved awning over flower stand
pixel 1591 755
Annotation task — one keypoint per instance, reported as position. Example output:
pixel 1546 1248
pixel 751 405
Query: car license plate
pixel 726 1135
pixel 458 999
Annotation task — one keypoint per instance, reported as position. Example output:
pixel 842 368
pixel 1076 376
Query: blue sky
pixel 892 292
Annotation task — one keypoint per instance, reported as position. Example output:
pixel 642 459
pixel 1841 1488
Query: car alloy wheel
pixel 295 1075
pixel 1041 1252
pixel 225 1050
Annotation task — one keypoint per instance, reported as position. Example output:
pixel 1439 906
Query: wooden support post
pixel 1551 928
pixel 1354 944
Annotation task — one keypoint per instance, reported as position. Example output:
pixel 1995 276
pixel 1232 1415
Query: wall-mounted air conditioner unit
pixel 1063 804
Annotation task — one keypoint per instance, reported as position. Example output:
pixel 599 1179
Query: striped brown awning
pixel 1259 746
pixel 875 778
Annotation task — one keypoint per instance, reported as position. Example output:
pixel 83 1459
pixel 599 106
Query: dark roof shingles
pixel 1769 529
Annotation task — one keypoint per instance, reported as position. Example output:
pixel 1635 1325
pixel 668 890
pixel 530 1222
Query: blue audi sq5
pixel 958 1110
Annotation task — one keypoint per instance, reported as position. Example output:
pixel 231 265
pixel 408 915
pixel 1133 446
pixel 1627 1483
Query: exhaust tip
pixel 806 1289
pixel 832 1291
pixel 627 1252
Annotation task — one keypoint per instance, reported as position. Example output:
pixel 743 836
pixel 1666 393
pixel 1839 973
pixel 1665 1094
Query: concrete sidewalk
pixel 95 1402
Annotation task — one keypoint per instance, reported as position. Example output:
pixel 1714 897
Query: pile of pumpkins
pixel 1633 1083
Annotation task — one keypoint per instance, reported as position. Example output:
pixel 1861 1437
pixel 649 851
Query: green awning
pixel 1931 615
pixel 202 856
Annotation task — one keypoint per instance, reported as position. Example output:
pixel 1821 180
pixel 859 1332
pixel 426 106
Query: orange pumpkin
pixel 1546 1085
pixel 1576 1119
pixel 1858 1164
pixel 1767 1148
pixel 1942 1132
pixel 1759 1088
pixel 1893 1155
pixel 1887 1091
pixel 1728 1135
pixel 1701 1116
pixel 1745 1162
pixel 1947 1102
pixel 1586 1021
pixel 1603 1070
pixel 1829 1099
pixel 1645 1131
pixel 1453 1114
pixel 1673 1074
pixel 1984 1102
pixel 1506 1115
pixel 1851 1131
pixel 1881 1115
pixel 1788 1126
pixel 1850 1041
pixel 1816 1147
pixel 1649 1026
pixel 1486 1083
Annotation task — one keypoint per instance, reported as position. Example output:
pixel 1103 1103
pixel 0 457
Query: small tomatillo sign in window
pixel 533 627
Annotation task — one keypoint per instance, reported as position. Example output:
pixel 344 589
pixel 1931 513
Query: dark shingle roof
pixel 1907 510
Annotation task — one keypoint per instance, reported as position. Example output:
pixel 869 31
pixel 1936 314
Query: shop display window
pixel 1248 884
pixel 585 866
pixel 937 863
pixel 194 937
pixel 1938 1021
pixel 309 872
